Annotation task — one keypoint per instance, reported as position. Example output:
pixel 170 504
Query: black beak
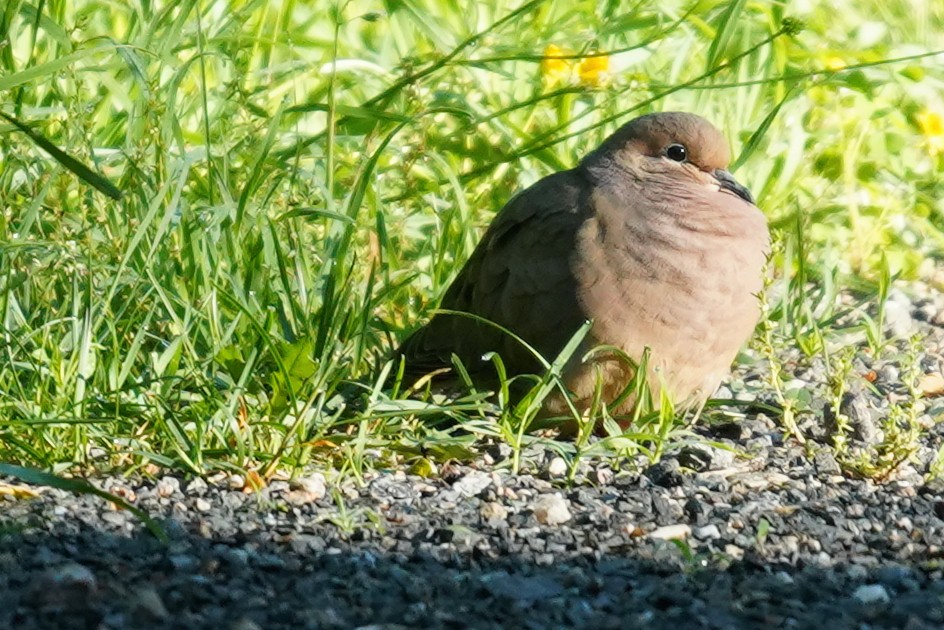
pixel 727 182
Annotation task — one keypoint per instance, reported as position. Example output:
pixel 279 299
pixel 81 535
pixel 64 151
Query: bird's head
pixel 671 145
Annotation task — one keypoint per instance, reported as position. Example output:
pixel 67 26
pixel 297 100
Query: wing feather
pixel 518 277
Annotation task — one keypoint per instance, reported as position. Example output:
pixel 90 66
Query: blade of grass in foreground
pixel 81 486
pixel 90 177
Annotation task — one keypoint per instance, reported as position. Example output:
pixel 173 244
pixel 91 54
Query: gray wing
pixel 518 277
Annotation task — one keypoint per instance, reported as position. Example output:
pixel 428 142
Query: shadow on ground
pixel 68 574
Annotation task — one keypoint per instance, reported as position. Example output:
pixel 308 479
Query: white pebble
pixel 671 532
pixel 551 509
pixel 708 532
pixel 557 467
pixel 313 484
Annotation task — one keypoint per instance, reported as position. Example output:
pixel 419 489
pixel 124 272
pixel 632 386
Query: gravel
pixel 790 543
pixel 742 528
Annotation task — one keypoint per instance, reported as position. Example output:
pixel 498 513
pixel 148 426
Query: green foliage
pixel 300 182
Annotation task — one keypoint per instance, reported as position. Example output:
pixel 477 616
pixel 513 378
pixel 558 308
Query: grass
pixel 301 182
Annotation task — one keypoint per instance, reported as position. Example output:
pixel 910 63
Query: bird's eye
pixel 676 153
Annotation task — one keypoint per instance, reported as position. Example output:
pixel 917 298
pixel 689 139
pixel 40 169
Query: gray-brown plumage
pixel 649 237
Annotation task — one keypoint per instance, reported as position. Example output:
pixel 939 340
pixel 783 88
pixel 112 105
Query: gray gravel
pixel 765 532
pixel 781 541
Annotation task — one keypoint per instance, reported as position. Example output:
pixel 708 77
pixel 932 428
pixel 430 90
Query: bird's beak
pixel 727 182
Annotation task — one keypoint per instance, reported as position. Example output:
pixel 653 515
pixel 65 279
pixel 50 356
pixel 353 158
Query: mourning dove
pixel 649 238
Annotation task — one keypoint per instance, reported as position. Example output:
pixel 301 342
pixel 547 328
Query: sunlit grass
pixel 300 184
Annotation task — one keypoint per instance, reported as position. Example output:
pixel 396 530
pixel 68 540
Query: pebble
pixel 493 513
pixel 66 586
pixel 306 489
pixel 602 476
pixel 472 484
pixel 671 532
pixel 167 486
pixel 871 594
pixel 147 606
pixel 557 467
pixel 708 532
pixel 898 317
pixel 551 509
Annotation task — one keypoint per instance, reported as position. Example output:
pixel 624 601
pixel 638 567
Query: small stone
pixel 602 476
pixel 115 518
pixel 889 375
pixel 826 463
pixel 761 480
pixel 898 318
pixel 871 595
pixel 784 578
pixel 167 486
pixel 472 484
pixel 493 513
pixel 697 458
pixel 551 509
pixel 671 532
pixel 66 586
pixel 307 489
pixel 556 468
pixel 236 556
pixel 708 532
pixel 128 494
pixel 197 486
pixel 203 505
pixel 790 544
pixel 694 510
pixel 183 563
pixel 148 605
pixel 856 409
pixel 278 486
pixel 734 552
pixel 931 384
pixel 666 474
pixel 857 572
pixel 499 452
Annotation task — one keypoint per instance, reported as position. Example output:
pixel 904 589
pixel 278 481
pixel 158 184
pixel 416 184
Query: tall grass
pixel 301 182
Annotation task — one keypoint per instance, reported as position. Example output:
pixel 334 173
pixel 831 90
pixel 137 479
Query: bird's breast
pixel 681 281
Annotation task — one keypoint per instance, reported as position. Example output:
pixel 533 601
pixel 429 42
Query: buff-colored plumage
pixel 656 251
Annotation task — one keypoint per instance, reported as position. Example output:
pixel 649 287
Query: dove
pixel 649 238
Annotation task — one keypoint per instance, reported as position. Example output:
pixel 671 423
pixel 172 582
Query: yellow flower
pixel 594 70
pixel 553 69
pixel 931 125
pixel 835 64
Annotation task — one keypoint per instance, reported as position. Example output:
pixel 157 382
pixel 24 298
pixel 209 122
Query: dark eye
pixel 676 152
